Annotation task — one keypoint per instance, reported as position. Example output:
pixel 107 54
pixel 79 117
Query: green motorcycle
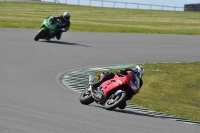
pixel 47 29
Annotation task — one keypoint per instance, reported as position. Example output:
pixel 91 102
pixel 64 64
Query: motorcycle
pixel 116 91
pixel 47 29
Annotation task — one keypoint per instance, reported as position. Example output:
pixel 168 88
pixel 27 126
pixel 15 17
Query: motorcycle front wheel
pixel 115 101
pixel 86 97
pixel 39 34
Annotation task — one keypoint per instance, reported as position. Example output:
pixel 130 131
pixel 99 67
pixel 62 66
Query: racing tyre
pixel 86 97
pixel 37 37
pixel 115 101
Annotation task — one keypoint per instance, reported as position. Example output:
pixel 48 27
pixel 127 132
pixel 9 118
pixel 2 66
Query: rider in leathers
pixel 64 24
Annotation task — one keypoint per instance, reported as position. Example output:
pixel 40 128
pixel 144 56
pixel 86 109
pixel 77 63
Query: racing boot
pixel 58 35
pixel 59 32
pixel 95 85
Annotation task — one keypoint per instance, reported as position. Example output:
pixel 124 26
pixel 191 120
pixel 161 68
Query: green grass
pixel 85 18
pixel 171 88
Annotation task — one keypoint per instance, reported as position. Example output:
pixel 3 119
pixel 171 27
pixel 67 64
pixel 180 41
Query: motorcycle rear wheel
pixel 115 102
pixel 86 97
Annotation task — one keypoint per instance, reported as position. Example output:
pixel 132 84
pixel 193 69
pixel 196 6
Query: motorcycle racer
pixel 64 25
pixel 138 70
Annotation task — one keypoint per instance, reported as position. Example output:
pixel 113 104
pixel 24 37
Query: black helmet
pixel 65 16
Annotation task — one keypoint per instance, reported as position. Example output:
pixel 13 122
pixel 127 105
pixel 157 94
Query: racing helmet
pixel 139 70
pixel 65 17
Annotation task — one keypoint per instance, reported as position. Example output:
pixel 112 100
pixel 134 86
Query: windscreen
pixel 136 80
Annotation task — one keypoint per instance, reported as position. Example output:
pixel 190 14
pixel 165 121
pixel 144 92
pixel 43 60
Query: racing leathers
pixel 63 26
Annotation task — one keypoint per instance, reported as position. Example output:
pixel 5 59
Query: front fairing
pixel 133 82
pixel 49 25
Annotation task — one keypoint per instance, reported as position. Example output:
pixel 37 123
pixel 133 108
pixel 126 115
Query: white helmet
pixel 139 70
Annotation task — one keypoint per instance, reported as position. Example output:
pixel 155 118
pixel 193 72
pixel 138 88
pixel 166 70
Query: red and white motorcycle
pixel 116 91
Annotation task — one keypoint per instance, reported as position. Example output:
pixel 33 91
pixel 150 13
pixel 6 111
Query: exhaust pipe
pixel 91 80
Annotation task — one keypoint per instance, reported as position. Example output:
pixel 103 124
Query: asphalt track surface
pixel 32 100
